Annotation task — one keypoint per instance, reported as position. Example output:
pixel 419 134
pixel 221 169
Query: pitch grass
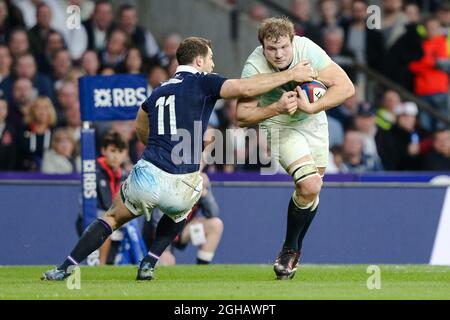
pixel 229 282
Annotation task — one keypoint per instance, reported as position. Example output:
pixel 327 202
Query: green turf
pixel 232 282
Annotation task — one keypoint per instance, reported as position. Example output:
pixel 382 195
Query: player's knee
pixel 309 188
pixel 114 219
pixel 214 225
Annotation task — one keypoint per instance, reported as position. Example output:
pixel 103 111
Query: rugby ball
pixel 314 90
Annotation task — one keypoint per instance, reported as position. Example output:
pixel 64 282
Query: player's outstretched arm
pixel 248 113
pixel 142 126
pixel 340 88
pixel 262 83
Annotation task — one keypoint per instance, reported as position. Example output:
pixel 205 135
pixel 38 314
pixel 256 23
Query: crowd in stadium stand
pixel 41 61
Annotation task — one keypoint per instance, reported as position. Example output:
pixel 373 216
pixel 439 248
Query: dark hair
pixel 42 5
pixel 362 1
pixel 124 7
pixel 430 18
pixel 100 2
pixel 436 132
pixel 58 52
pixel 17 30
pixel 192 47
pixel 113 138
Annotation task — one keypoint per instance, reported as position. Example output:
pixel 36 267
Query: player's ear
pixel 199 61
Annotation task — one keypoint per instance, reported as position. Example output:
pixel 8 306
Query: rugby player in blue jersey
pixel 177 107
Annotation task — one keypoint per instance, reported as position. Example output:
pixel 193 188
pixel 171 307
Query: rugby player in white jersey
pixel 299 141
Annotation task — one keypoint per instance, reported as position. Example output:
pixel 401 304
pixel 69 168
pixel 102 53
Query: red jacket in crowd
pixel 428 79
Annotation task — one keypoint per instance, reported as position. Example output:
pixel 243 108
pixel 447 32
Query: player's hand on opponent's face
pixel 303 72
pixel 302 101
pixel 287 103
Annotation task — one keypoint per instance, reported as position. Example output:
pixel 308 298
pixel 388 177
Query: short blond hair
pixel 31 116
pixel 275 28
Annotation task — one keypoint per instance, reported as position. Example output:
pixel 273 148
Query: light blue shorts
pixel 148 187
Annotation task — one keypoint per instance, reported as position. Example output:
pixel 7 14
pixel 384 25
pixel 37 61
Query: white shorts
pixel 290 142
pixel 148 187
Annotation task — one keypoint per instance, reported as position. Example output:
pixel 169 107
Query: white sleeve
pixel 77 42
pixel 318 57
pixel 151 47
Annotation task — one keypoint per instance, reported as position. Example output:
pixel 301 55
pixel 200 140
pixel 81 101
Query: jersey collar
pixel 185 68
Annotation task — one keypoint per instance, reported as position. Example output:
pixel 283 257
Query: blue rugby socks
pixel 166 231
pixel 91 239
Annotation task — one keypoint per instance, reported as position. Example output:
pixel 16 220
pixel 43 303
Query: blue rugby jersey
pixel 179 108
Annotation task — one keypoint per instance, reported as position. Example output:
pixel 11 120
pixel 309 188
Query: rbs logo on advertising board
pixel 119 97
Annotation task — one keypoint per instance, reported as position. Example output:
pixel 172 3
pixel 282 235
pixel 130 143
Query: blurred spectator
pixel 23 95
pixel 385 116
pixel 345 10
pixel 328 14
pixel 333 42
pixel 394 21
pixel 171 44
pixel 140 38
pixel 172 67
pixel 29 9
pixel 336 160
pixel 301 9
pixel 110 175
pixel 364 122
pixel 36 138
pixel 53 43
pixel 99 25
pixel 443 14
pixel 18 42
pixel 8 140
pixel 399 148
pixel 412 12
pixel 61 66
pixel 73 121
pixel 39 32
pixel 133 63
pixel 367 44
pixel 259 12
pixel 10 18
pixel 346 112
pixel 336 132
pixel 15 16
pixel 5 63
pixel 90 62
pixel 116 48
pixel 60 158
pixel 25 67
pixel 400 42
pixel 438 159
pixel 355 160
pixel 155 76
pixel 66 97
pixel 430 82
pixel 5 28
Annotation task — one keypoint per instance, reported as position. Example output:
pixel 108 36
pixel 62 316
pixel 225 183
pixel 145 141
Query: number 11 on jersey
pixel 160 104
